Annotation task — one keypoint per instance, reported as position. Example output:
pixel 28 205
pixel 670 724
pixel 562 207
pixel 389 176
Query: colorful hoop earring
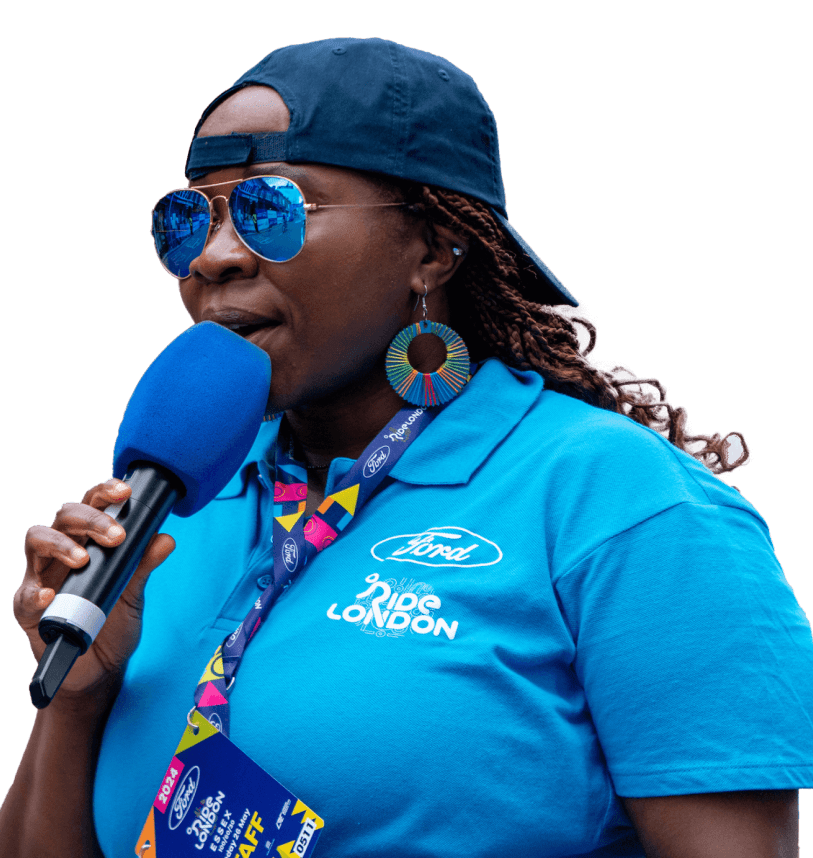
pixel 427 388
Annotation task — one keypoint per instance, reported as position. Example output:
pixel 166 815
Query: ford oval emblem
pixel 290 554
pixel 184 797
pixel 234 635
pixel 376 460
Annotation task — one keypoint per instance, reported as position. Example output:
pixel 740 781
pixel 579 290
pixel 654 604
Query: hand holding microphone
pixel 51 557
pixel 188 426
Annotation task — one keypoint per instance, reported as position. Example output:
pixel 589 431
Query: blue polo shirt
pixel 546 607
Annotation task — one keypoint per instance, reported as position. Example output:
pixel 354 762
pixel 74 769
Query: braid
pixel 495 319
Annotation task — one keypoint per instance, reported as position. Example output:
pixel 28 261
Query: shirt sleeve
pixel 695 657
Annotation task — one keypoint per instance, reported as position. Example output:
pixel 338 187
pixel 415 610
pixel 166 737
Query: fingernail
pixel 115 531
pixel 119 488
pixel 78 553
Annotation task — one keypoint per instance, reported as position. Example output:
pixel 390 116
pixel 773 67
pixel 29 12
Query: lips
pixel 242 322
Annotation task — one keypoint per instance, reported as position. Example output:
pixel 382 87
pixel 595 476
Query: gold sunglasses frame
pixel 214 225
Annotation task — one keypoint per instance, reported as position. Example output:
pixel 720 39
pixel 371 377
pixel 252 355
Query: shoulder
pixel 577 444
pixel 598 474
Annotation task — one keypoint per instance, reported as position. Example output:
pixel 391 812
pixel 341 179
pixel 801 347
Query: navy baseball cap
pixel 377 106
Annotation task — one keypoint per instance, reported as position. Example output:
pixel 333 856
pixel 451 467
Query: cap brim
pixel 538 280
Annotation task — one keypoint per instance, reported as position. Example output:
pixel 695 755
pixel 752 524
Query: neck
pixel 326 430
pixel 344 423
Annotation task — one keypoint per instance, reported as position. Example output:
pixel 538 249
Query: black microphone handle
pixel 78 612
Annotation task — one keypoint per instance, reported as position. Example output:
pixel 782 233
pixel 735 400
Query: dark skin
pixel 336 306
pixel 328 316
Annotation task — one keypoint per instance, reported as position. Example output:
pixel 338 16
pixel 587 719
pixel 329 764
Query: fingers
pixel 51 556
pixel 29 603
pixel 53 552
pixel 44 543
pixel 110 492
pixel 82 520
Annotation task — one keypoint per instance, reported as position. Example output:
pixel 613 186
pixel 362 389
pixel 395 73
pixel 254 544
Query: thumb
pixel 158 549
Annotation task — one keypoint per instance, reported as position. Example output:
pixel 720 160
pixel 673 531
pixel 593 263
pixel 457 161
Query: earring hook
pixel 422 298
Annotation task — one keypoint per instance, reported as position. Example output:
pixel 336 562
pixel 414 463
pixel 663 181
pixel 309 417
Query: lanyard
pixel 297 541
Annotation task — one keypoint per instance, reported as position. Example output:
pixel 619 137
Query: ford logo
pixel 290 554
pixel 376 460
pixel 184 797
pixel 235 634
pixel 439 546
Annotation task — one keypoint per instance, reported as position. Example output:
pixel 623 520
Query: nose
pixel 224 257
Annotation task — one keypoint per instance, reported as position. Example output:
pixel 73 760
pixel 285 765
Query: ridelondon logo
pixel 392 608
pixel 402 432
pixel 439 546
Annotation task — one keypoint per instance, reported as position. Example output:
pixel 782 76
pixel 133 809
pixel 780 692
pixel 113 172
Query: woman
pixel 589 648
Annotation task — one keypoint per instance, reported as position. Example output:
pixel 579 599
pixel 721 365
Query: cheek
pixel 187 293
pixel 358 275
pixel 346 334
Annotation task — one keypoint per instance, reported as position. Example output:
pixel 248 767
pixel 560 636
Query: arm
pixel 702 691
pixel 49 809
pixel 747 824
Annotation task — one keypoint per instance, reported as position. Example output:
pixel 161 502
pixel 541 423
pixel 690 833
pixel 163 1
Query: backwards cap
pixel 377 106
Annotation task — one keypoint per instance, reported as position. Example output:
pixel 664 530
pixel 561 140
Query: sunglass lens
pixel 180 224
pixel 269 214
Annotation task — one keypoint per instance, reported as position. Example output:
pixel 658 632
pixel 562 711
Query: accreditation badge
pixel 214 800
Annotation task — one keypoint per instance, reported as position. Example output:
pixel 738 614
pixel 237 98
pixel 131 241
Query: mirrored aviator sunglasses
pixel 267 212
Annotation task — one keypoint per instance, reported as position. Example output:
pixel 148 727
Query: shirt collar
pixel 455 444
pixel 471 426
pixel 259 450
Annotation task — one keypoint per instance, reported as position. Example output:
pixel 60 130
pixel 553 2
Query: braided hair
pixel 495 319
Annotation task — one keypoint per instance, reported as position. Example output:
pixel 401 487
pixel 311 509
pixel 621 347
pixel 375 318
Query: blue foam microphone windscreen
pixel 196 411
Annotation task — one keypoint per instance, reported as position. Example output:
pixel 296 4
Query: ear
pixel 445 251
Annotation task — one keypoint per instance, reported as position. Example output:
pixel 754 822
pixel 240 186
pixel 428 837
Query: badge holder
pixel 215 800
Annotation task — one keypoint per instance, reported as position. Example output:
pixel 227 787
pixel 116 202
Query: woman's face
pixel 328 315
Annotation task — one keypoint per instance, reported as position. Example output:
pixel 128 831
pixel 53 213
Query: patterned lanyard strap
pixel 297 541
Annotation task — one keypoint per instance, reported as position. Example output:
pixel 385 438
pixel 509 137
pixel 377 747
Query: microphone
pixel 187 428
